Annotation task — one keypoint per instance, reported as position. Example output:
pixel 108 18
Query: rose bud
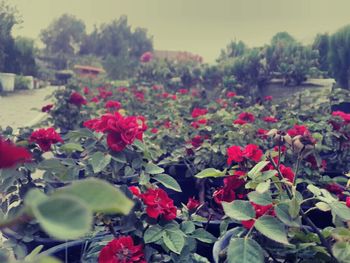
pixel 192 204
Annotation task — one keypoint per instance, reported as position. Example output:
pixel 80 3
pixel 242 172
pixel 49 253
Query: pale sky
pixel 203 27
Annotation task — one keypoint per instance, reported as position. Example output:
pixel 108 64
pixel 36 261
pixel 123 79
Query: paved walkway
pixel 16 109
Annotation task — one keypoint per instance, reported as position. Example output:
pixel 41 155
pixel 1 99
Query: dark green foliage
pixel 339 56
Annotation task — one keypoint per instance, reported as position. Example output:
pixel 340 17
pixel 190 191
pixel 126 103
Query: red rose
pixel 10 154
pixel 77 99
pixel 86 90
pixel 122 250
pixel 95 99
pixel 224 194
pixel 262 133
pixel 45 138
pixel 234 153
pixel 197 141
pixel 298 130
pixel 248 224
pixel 348 201
pixel 157 87
pixel 246 116
pixel 230 94
pixel 135 190
pixel 192 204
pixel 287 173
pixel 167 124
pixel 113 104
pixel 270 119
pixel 344 116
pixel 239 122
pixel 183 91
pixel 159 204
pixel 260 210
pixel 47 108
pixel 268 98
pixel 122 89
pixel 154 130
pixel 252 152
pixel 139 96
pixel 120 130
pixel 196 112
pixel 146 57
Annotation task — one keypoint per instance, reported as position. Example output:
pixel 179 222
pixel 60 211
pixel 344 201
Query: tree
pixel 8 19
pixel 339 56
pixel 118 46
pixel 63 38
pixel 321 44
pixel 25 56
pixel 233 49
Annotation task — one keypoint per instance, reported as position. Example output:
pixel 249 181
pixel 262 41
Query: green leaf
pixel 63 217
pixel 341 210
pixel 99 161
pixel 151 168
pixel 341 251
pixel 34 253
pixel 174 240
pixel 167 181
pixel 71 147
pixel 119 157
pixel 313 189
pixel 294 207
pixel 263 187
pixel 210 172
pixel 203 236
pixel 272 228
pixel 323 206
pixel 239 210
pixel 98 195
pixel 282 213
pixel 244 250
pixel 255 171
pixel 260 199
pixel 187 227
pixel 153 234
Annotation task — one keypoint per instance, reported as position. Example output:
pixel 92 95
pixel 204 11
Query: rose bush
pixel 159 174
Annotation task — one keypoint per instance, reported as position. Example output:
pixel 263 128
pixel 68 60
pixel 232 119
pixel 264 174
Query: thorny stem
pixel 304 216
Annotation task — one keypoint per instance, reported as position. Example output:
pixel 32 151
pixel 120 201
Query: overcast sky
pixel 199 26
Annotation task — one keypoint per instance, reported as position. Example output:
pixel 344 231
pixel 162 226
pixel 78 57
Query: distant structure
pixel 177 56
pixel 87 71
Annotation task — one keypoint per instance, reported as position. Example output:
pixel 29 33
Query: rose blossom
pixel 45 138
pixel 11 154
pixel 122 250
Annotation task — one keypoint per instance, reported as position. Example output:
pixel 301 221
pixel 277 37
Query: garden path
pixel 17 109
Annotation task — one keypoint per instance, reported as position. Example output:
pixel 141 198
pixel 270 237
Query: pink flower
pixel 268 98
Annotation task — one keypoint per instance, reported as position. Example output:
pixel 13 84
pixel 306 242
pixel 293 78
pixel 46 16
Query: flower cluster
pixel 121 131
pixel 11 154
pixel 122 250
pixel 250 152
pixel 45 138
